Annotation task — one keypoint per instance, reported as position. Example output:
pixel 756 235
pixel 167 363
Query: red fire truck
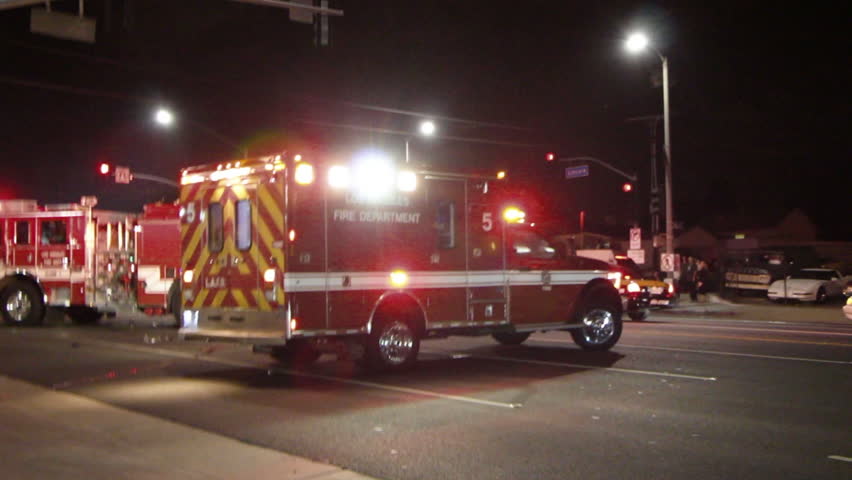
pixel 69 256
pixel 157 257
pixel 299 255
pixel 85 261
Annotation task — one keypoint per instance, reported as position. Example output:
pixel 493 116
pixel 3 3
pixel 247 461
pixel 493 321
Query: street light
pixel 427 128
pixel 637 43
pixel 166 119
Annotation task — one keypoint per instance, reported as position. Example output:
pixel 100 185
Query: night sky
pixel 759 99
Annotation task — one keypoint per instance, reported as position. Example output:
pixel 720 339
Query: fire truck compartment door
pixel 487 286
pixel 54 253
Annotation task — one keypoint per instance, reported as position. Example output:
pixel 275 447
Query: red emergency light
pixel 104 169
pixel 627 187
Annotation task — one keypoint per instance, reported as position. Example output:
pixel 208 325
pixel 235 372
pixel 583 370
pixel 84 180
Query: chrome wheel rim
pixel 18 306
pixel 396 343
pixel 599 326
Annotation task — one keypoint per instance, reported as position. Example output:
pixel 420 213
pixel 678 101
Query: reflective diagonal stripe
pixel 218 298
pixel 239 297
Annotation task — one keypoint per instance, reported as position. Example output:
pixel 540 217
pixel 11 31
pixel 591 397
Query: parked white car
pixel 847 309
pixel 808 285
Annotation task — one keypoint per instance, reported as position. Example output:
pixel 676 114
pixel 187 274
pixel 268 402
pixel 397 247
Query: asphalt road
pixel 679 397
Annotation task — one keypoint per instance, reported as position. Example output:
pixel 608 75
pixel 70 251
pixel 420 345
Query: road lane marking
pixel 842 459
pixel 584 367
pixel 277 370
pixel 735 354
pixel 711 352
pixel 748 329
pixel 383 386
pixel 758 339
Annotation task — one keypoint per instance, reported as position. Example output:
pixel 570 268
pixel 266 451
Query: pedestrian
pixel 688 277
pixel 702 280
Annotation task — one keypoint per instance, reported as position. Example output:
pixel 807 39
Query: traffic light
pixel 550 156
pixel 104 168
pixel 627 187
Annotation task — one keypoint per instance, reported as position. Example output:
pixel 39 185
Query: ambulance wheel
pixel 84 315
pixel 393 344
pixel 509 338
pixel 296 353
pixel 21 303
pixel 601 319
pixel 638 315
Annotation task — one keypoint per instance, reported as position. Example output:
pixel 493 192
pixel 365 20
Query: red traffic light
pixel 104 169
pixel 627 187
pixel 550 156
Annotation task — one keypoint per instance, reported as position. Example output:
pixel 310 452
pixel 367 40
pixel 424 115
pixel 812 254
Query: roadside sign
pixel 122 175
pixel 667 263
pixel 637 256
pixel 635 239
pixel 576 172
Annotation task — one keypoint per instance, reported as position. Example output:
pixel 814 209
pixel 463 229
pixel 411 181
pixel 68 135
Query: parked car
pixel 808 285
pixel 847 309
pixel 656 293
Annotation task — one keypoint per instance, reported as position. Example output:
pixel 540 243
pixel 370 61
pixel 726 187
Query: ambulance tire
pixel 296 354
pixel 510 338
pixel 638 315
pixel 21 303
pixel 84 315
pixel 175 303
pixel 393 344
pixel 601 313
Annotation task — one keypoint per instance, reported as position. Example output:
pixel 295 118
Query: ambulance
pixel 300 255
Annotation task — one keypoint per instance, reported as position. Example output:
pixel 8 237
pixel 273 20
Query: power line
pixel 162 70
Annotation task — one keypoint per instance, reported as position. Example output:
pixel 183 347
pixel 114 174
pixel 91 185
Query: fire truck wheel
pixel 509 338
pixel 296 354
pixel 393 344
pixel 601 316
pixel 638 315
pixel 22 304
pixel 174 303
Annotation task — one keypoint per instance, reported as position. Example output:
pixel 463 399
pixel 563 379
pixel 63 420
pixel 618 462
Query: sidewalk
pixel 52 434
pixel 756 309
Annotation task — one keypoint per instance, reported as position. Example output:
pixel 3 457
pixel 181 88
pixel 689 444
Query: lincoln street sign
pixel 576 172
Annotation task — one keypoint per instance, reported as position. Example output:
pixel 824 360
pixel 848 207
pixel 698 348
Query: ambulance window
pixel 215 228
pixel 445 223
pixel 53 232
pixel 243 227
pixel 527 244
pixel 22 232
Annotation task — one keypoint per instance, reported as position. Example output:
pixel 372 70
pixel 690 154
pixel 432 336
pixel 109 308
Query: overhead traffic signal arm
pixel 600 162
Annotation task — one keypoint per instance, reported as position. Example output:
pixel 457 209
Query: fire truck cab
pixel 68 256
pixel 299 255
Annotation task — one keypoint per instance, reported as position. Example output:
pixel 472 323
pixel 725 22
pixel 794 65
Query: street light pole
pixel 638 42
pixel 667 147
pixel 427 129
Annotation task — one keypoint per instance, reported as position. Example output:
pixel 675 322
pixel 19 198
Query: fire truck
pixel 157 240
pixel 69 256
pixel 85 261
pixel 299 256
